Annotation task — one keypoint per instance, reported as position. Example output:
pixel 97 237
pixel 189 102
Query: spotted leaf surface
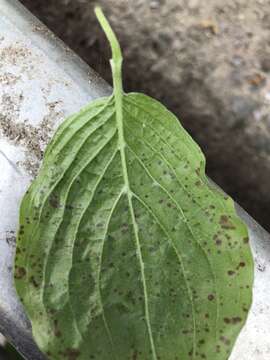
pixel 125 251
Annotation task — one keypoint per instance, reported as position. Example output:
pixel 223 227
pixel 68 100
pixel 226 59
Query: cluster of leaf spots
pixel 81 279
pixel 124 250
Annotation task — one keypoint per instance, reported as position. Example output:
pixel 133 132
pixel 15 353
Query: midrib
pixel 118 94
pixel 116 65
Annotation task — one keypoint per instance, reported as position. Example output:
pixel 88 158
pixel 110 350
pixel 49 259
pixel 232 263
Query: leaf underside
pixel 154 265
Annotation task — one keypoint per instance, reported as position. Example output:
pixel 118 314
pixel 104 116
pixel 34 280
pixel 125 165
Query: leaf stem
pixel 117 59
pixel 116 65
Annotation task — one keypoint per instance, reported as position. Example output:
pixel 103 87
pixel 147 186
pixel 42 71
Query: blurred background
pixel 208 61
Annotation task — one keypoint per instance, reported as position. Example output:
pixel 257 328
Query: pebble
pixel 154 4
pixel 193 4
pixel 265 64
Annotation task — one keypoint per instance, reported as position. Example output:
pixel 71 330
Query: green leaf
pixel 124 250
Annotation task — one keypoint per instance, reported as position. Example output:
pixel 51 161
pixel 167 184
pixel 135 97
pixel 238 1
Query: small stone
pixel 210 25
pixel 193 4
pixel 265 64
pixel 154 4
pixel 257 80
pixel 237 61
pixel 261 267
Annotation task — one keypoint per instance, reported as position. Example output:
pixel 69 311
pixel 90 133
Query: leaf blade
pixel 124 249
pixel 160 181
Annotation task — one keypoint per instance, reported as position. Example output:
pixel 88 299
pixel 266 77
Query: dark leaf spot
pixel 226 223
pixel 246 240
pixel 20 272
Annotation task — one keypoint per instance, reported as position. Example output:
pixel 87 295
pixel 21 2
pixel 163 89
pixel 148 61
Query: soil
pixel 209 62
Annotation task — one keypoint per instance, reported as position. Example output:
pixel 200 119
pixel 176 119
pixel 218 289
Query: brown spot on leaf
pixel 246 240
pixel 71 354
pixel 34 282
pixel 236 320
pixel 211 297
pixel 225 340
pixel 20 272
pixel 218 242
pixel 241 264
pixel 57 333
pixel 226 223
pixel 54 201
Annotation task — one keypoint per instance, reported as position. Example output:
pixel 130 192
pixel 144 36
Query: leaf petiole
pixel 117 59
